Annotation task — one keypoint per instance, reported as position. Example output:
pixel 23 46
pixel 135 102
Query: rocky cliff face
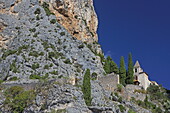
pixel 77 16
pixel 35 47
pixel 42 64
pixel 37 41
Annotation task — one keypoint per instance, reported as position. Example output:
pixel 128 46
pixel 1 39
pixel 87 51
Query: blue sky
pixel 141 27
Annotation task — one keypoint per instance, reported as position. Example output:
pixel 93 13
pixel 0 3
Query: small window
pixel 136 70
pixel 136 78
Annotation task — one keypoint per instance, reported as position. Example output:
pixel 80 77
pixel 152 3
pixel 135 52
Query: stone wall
pixel 109 82
pixel 134 91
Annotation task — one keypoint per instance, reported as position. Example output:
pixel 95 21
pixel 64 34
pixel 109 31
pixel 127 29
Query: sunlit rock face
pixel 77 16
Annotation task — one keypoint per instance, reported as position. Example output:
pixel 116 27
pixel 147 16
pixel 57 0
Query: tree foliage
pixel 122 71
pixel 110 66
pixel 130 73
pixel 86 88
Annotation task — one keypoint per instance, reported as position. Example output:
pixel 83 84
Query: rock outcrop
pixel 77 16
pixel 40 45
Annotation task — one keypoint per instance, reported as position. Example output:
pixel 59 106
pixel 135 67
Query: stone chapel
pixel 141 77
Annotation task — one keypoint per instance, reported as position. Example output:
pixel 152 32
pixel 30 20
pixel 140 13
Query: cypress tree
pixel 122 71
pixel 86 88
pixel 130 73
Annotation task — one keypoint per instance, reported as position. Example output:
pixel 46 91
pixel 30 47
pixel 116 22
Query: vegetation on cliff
pixel 86 88
pixel 122 71
pixel 130 73
pixel 17 99
pixel 110 66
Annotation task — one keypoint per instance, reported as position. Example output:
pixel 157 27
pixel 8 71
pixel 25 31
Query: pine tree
pixel 122 71
pixel 110 66
pixel 86 88
pixel 107 65
pixel 130 73
pixel 113 67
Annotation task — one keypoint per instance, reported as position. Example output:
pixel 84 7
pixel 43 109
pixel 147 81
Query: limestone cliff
pixel 42 64
pixel 77 16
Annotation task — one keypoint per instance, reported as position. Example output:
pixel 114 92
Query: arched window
pixel 136 70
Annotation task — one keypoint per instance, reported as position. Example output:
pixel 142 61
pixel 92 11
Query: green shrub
pixel 36 54
pixel 41 53
pixel 35 66
pixel 21 48
pixel 17 27
pixel 44 77
pixel 1 81
pixel 120 99
pixel 122 108
pixel 119 87
pixel 8 52
pixel 116 94
pixel 133 99
pixel 13 67
pixel 140 103
pixel 17 99
pixel 35 35
pixel 13 91
pixel 37 18
pixel 64 47
pixel 51 65
pixel 46 8
pixel 131 111
pixel 94 76
pixel 37 11
pixel 32 30
pixel 33 53
pixel 53 21
pixel 51 54
pixel 54 72
pixel 67 61
pixel 45 45
pixel 62 33
pixel 59 41
pixel 78 70
pixel 34 76
pixel 156 92
pixel 157 110
pixel 81 46
pixel 46 67
pixel 13 79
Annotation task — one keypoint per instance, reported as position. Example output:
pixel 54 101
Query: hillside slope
pixel 43 60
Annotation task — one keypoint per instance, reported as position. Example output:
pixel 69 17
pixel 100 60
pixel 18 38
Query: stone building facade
pixel 141 77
